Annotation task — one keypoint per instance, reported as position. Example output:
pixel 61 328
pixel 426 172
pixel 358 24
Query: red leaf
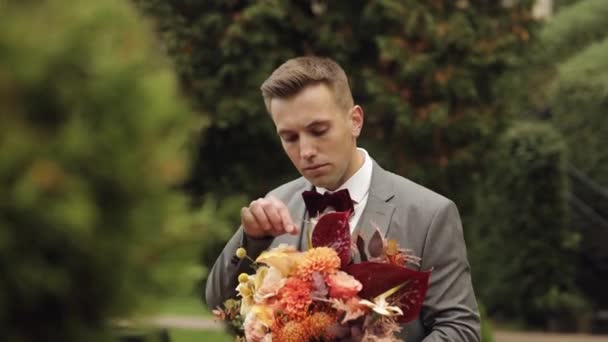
pixel 378 278
pixel 332 230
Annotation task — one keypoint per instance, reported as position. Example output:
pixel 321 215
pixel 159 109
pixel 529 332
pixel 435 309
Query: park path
pixel 202 323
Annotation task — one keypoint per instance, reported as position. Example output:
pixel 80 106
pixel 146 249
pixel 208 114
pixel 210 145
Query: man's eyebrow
pixel 317 123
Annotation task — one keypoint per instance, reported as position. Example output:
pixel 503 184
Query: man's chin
pixel 321 182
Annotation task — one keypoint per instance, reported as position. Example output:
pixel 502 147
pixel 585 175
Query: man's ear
pixel 356 118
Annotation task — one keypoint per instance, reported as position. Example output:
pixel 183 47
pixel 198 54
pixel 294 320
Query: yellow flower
pixel 284 258
pixel 246 289
pixel 241 253
pixel 264 313
pixel 243 278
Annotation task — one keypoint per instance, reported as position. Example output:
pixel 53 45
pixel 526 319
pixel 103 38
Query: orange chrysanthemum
pixel 295 298
pixel 321 259
pixel 291 332
pixel 317 325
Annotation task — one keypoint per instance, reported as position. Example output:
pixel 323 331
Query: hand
pixel 267 217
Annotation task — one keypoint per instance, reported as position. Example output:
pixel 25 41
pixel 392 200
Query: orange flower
pixel 291 332
pixel 295 298
pixel 317 325
pixel 321 259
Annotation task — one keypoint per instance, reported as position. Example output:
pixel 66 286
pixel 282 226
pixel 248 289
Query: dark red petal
pixel 332 230
pixel 378 278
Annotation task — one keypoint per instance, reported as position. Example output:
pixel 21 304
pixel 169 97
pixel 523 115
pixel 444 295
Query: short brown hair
pixel 297 73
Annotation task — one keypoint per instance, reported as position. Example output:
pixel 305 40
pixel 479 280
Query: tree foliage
pixel 526 246
pixel 566 80
pixel 423 71
pixel 93 137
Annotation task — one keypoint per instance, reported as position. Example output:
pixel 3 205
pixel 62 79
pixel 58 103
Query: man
pixel 318 123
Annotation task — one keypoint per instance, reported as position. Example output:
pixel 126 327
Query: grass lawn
pixel 190 306
pixel 183 306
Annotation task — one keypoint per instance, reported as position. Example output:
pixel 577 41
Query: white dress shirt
pixel 358 187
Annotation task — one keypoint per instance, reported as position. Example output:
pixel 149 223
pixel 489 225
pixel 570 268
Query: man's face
pixel 318 135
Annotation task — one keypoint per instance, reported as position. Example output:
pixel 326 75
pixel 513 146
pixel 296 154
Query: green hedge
pixel 523 245
pixel 92 136
pixel 574 28
pixel 579 99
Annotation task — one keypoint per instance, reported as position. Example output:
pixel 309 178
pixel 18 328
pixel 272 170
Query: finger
pixel 286 220
pixel 260 216
pixel 249 222
pixel 273 216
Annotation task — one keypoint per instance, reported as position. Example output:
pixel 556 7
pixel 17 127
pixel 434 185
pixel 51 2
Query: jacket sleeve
pixel 450 310
pixel 223 277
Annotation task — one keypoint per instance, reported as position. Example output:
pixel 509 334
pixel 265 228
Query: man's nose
pixel 307 148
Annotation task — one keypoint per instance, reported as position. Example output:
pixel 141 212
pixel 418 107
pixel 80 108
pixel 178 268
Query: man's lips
pixel 314 167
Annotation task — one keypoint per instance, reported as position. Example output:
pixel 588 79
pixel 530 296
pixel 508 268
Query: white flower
pixel 380 306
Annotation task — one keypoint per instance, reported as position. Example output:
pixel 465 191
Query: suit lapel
pixel 379 210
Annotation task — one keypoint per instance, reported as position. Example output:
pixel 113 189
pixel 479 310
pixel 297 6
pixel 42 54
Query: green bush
pixel 570 32
pixel 574 28
pixel 487 333
pixel 92 138
pixel 566 78
pixel 523 243
pixel 559 5
pixel 579 98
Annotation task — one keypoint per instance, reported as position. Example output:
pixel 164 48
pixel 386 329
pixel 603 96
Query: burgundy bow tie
pixel 316 203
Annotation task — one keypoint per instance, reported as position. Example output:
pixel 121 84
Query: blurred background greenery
pixel 132 132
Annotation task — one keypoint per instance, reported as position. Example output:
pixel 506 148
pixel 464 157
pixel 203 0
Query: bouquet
pixel 321 295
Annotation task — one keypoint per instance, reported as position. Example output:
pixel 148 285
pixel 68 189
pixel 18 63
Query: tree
pixel 93 135
pixel 423 71
pixel 523 260
pixel 566 78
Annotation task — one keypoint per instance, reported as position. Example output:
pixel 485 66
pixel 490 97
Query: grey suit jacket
pixel 418 219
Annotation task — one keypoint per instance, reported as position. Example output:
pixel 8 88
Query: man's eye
pixel 290 138
pixel 319 132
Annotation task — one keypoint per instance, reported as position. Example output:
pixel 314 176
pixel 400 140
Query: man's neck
pixel 356 163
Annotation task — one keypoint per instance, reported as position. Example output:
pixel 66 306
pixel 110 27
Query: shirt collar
pixel 358 184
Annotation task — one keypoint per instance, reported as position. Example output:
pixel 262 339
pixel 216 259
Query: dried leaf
pixel 392 248
pixel 376 245
pixel 361 248
pixel 332 230
pixel 351 308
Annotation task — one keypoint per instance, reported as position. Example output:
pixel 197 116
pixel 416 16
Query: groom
pixel 310 102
